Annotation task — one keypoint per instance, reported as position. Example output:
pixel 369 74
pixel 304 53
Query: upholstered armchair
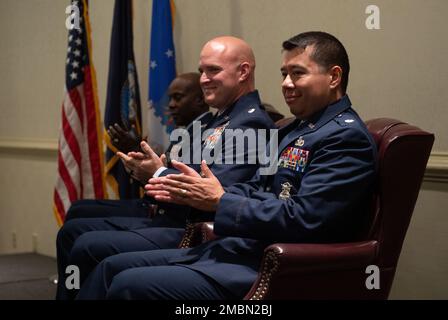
pixel 338 270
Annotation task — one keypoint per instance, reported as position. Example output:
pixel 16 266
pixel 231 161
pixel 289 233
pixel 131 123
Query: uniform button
pixel 268 189
pixel 161 211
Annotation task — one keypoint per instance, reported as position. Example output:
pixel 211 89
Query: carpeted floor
pixel 27 277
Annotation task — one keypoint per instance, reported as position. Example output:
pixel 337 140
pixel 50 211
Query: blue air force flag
pixel 162 70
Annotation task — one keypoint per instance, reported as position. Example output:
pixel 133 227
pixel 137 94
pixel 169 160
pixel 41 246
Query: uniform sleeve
pixel 168 171
pixel 339 175
pixel 246 189
pixel 159 172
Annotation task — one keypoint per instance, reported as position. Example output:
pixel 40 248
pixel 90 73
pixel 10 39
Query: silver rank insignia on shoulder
pixel 300 142
pixel 285 195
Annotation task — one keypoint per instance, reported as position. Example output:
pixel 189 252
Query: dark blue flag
pixel 162 70
pixel 123 99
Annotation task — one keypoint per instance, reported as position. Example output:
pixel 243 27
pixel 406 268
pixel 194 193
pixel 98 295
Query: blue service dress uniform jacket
pixel 320 193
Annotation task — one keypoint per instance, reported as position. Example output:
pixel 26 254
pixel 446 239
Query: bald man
pixel 227 80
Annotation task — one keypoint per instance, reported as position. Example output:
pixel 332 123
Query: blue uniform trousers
pixel 88 208
pixel 97 238
pixel 120 277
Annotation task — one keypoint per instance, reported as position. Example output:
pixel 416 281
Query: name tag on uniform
pixel 294 159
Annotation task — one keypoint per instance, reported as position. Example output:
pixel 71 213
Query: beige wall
pixel 398 71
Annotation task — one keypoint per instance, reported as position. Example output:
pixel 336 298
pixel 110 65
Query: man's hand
pixel 125 141
pixel 141 165
pixel 188 188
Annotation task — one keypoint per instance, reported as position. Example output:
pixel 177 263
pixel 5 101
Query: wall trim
pixel 27 147
pixel 436 170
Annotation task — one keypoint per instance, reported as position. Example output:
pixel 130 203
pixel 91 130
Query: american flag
pixel 80 169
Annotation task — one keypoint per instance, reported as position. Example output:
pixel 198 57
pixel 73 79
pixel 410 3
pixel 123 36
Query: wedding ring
pixel 183 192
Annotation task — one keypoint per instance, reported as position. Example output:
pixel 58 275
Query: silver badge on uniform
pixel 284 195
pixel 300 142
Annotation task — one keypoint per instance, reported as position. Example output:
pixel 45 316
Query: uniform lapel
pixel 290 133
pixel 204 118
pixel 314 123
pixel 243 105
